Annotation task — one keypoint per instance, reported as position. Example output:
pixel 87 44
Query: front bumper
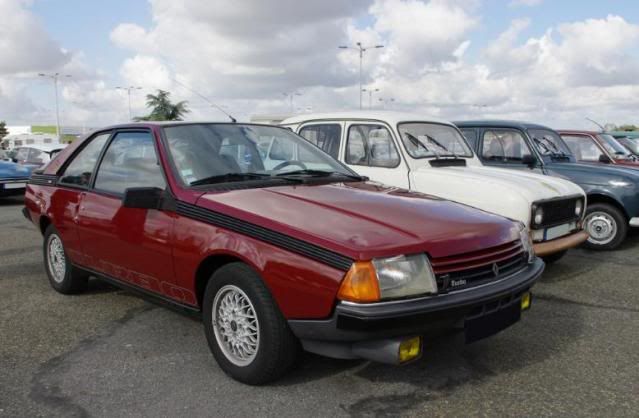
pixel 354 324
pixel 560 244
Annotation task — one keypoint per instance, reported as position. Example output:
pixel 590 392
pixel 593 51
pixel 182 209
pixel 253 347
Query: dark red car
pixel 304 252
pixel 597 147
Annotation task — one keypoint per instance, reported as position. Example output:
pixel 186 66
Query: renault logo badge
pixel 495 269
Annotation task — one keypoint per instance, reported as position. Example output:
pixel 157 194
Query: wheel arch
pixel 604 198
pixel 43 223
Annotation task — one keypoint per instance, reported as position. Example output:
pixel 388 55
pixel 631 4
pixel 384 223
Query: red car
pixel 597 147
pixel 303 253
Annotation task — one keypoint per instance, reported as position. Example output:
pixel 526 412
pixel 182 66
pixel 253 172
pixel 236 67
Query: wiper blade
pixel 228 177
pixel 319 173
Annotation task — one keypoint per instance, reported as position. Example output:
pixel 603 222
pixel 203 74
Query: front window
pixel 584 148
pixel 215 153
pixel 425 140
pixel 504 145
pixel 548 142
pixel 371 145
pixel 613 146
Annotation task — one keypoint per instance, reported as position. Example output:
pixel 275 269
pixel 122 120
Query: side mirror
pixel 15 160
pixel 603 158
pixel 529 160
pixel 143 198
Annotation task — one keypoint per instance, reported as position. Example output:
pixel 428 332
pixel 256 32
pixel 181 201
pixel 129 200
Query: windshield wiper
pixel 319 173
pixel 228 177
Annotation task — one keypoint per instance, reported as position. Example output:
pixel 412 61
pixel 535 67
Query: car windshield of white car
pixel 208 153
pixel 426 140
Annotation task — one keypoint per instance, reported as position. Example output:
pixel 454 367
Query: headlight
pixel 526 243
pixel 579 206
pixel 538 216
pixel 388 278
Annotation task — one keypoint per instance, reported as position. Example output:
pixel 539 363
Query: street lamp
pixel 290 96
pixel 128 92
pixel 361 49
pixel 385 101
pixel 55 77
pixel 370 96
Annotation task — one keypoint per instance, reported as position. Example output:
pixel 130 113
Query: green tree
pixel 3 129
pixel 162 108
pixel 628 128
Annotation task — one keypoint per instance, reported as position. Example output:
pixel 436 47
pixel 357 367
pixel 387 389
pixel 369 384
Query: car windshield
pixel 208 153
pixel 631 144
pixel 549 143
pixel 425 140
pixel 613 146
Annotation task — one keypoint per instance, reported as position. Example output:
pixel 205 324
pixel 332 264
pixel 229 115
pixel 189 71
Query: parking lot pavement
pixel 108 353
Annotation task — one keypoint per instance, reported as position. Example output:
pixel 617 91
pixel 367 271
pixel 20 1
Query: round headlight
pixel 539 216
pixel 579 206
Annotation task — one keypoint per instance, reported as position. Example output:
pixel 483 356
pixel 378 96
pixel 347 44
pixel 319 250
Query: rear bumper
pixel 354 323
pixel 560 244
pixel 6 188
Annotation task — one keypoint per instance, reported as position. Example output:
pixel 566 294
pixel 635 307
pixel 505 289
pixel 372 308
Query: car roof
pixel 514 124
pixel 164 123
pixel 578 131
pixel 44 147
pixel 391 117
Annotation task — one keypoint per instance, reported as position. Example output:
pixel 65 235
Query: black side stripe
pixel 43 179
pixel 269 236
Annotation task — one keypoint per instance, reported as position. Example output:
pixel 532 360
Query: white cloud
pixel 529 3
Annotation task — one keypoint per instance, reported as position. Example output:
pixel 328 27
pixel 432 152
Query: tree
pixel 162 108
pixel 3 129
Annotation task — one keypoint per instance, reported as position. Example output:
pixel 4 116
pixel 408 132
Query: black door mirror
pixel 603 158
pixel 529 160
pixel 143 198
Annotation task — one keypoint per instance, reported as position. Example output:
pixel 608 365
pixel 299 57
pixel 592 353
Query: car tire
pixel 607 227
pixel 64 277
pixel 553 258
pixel 257 346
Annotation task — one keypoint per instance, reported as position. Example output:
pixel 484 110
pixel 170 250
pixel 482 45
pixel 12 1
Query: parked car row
pixel 281 241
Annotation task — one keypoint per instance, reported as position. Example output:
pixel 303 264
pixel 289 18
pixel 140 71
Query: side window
pixel 471 137
pixel 79 171
pixel 130 161
pixel 327 137
pixel 506 146
pixel 583 148
pixel 371 145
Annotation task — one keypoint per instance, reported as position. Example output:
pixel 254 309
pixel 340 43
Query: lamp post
pixel 384 101
pixel 361 49
pixel 370 96
pixel 290 97
pixel 128 92
pixel 55 77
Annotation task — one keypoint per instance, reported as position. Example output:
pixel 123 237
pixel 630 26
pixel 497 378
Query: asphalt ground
pixel 109 353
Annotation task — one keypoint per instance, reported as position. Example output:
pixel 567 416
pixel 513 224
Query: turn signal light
pixel 525 301
pixel 360 284
pixel 410 349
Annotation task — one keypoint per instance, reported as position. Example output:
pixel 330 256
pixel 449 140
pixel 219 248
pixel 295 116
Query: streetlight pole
pixel 361 49
pixel 55 77
pixel 128 92
pixel 384 101
pixel 370 96
pixel 290 96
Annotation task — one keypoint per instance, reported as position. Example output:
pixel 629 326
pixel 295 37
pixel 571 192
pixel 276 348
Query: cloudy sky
pixel 539 60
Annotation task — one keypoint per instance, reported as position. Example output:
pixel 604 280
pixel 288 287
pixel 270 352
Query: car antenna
pixel 596 123
pixel 206 99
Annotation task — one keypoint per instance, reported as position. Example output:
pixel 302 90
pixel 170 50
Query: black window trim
pixel 524 135
pixel 352 123
pixel 114 134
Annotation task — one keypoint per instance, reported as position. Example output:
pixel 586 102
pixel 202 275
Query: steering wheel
pixel 292 162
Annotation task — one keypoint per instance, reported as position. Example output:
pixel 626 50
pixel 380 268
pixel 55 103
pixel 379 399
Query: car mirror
pixel 143 197
pixel 604 159
pixel 529 160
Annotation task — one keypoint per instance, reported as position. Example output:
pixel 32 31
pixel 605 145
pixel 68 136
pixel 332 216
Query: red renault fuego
pixel 276 244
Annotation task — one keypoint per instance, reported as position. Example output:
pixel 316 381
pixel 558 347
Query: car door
pixel 506 148
pixel 128 244
pixel 372 151
pixel 73 182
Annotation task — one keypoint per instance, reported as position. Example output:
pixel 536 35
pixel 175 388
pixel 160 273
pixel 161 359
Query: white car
pixel 36 154
pixel 431 156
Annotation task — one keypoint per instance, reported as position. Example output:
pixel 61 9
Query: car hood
pixel 505 192
pixel 13 170
pixel 366 220
pixel 593 174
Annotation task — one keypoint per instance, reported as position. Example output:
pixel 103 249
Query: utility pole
pixel 370 96
pixel 128 91
pixel 361 49
pixel 55 77
pixel 290 96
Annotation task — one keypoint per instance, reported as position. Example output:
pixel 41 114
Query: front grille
pixel 557 212
pixel 477 268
